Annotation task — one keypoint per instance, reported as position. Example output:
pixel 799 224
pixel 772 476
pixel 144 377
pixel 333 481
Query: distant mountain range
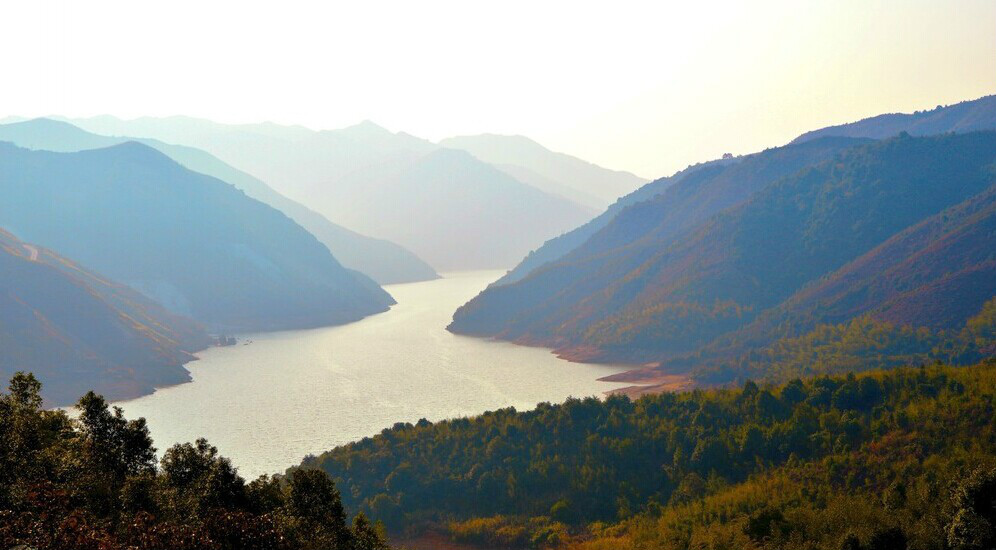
pixel 447 206
pixel 382 260
pixel 726 257
pixel 555 173
pixel 76 330
pixel 191 242
pixel 724 269
pixel 177 233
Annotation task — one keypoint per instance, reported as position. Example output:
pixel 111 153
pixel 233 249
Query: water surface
pixel 267 404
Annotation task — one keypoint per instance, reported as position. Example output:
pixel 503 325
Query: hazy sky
pixel 643 86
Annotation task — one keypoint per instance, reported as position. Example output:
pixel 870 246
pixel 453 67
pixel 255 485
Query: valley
pixel 524 276
pixel 276 397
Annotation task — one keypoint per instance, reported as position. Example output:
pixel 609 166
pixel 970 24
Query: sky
pixel 648 87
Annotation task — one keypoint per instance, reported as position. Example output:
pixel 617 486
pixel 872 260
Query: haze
pixel 549 275
pixel 645 87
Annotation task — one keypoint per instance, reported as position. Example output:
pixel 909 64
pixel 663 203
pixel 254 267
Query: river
pixel 268 403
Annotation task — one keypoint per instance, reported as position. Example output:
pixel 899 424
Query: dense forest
pixel 863 343
pixel 93 482
pixel 884 459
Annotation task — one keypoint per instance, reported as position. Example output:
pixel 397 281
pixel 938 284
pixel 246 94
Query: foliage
pixel 876 460
pixel 980 330
pixel 861 344
pixel 509 532
pixel 93 483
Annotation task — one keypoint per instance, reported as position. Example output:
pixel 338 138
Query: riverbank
pixel 293 393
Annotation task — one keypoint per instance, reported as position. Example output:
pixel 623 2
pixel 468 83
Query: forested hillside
pixel 561 245
pixel 658 281
pixel 884 460
pixel 914 298
pixel 675 203
pixel 963 117
pixel 93 482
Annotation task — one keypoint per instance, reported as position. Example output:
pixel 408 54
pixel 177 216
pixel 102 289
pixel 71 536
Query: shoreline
pixel 646 378
pixel 325 387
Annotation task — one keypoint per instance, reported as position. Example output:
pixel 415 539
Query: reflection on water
pixel 267 404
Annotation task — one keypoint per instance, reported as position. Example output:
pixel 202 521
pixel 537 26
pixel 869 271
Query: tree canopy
pixel 93 482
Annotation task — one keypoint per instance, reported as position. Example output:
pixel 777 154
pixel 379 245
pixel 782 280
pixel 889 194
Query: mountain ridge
pixel 383 260
pixel 77 330
pixel 587 180
pixel 965 116
pixel 335 172
pixel 192 242
pixel 639 301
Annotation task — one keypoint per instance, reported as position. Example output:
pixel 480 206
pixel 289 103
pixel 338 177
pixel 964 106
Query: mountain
pixel 547 185
pixel 678 202
pixel 561 245
pixel 552 172
pixel 192 242
pixel 77 330
pixel 913 299
pixel 967 116
pixel 460 213
pixel 933 274
pixel 446 206
pixel 666 207
pixel 658 282
pixel 382 260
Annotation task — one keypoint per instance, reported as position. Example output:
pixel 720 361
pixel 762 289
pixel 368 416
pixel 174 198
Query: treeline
pixel 860 344
pixel 93 482
pixel 885 459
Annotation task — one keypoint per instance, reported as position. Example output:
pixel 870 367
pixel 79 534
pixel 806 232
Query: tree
pixel 367 536
pixel 561 511
pixel 93 483
pixel 198 480
pixel 869 392
pixel 847 395
pixel 764 524
pixel 113 445
pixel 794 392
pixel 315 500
pixel 768 406
pixel 25 391
pixel 19 433
pixel 974 518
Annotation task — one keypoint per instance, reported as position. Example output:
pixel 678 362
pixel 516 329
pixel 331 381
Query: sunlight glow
pixel 643 86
